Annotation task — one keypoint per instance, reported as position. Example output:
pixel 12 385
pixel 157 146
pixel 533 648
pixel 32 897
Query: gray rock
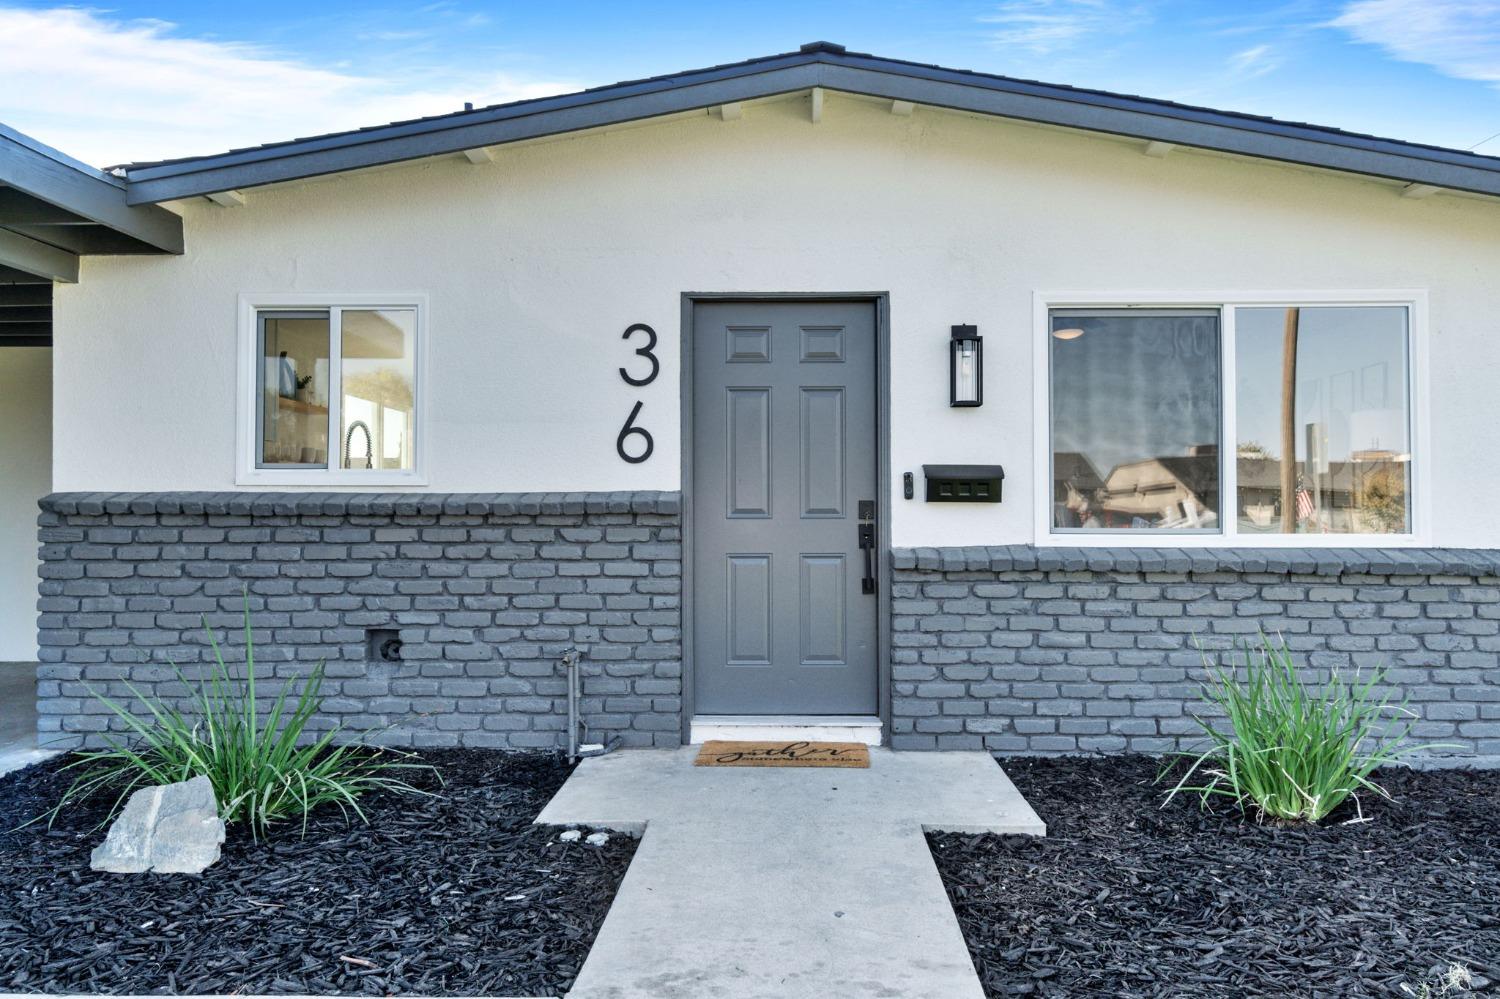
pixel 597 839
pixel 571 836
pixel 168 829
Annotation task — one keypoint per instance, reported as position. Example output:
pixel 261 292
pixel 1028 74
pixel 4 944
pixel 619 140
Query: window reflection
pixel 1322 420
pixel 1135 420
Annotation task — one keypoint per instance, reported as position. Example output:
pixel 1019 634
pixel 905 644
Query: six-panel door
pixel 783 452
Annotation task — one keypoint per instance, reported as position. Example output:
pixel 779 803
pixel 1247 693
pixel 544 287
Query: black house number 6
pixel 630 429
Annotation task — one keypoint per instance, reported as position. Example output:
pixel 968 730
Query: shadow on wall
pixel 26 457
pixel 17 706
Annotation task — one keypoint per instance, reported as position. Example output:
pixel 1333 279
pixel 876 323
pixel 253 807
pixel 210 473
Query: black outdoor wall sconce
pixel 966 367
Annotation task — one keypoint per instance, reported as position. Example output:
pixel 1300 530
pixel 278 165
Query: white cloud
pixel 1046 26
pixel 1258 60
pixel 1459 38
pixel 108 91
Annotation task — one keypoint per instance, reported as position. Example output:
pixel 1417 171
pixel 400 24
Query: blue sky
pixel 146 80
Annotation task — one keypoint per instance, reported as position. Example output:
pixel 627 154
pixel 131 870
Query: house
pixel 777 388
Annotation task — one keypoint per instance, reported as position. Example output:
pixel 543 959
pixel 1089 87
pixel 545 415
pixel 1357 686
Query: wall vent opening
pixel 382 645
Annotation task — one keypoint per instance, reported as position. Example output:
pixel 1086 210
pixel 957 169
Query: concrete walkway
pixel 784 882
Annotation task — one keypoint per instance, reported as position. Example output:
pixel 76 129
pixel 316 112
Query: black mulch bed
pixel 1125 899
pixel 455 895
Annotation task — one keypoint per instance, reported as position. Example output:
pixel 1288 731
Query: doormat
pixel 783 754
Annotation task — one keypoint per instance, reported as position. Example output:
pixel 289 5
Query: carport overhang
pixel 54 210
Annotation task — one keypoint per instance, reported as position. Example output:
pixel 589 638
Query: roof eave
pixel 1181 126
pixel 850 73
pixel 44 174
pixel 416 140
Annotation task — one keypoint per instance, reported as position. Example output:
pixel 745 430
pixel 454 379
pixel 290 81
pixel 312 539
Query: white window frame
pixel 1225 303
pixel 247 402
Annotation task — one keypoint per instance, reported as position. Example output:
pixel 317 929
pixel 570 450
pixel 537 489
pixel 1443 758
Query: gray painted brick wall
pixel 1049 651
pixel 485 590
pixel 1015 649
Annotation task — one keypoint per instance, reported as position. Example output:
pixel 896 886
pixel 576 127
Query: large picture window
pixel 1256 423
pixel 335 394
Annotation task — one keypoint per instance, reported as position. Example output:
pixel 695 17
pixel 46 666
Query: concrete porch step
pixel 791 728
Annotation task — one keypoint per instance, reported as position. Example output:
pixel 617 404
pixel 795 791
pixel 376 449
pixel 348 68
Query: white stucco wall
pixel 535 264
pixel 25 477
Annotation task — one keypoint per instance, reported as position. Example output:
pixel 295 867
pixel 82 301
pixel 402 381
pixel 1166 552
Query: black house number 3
pixel 647 445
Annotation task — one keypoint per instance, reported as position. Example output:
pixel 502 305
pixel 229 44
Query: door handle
pixel 867 543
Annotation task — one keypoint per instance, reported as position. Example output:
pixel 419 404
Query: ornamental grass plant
pixel 262 768
pixel 1292 750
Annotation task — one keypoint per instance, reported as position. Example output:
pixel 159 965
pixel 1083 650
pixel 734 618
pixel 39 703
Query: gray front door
pixel 784 451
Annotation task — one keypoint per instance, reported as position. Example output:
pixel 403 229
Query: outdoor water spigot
pixel 578 729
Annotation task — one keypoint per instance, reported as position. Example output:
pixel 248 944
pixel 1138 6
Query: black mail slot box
pixel 963 483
